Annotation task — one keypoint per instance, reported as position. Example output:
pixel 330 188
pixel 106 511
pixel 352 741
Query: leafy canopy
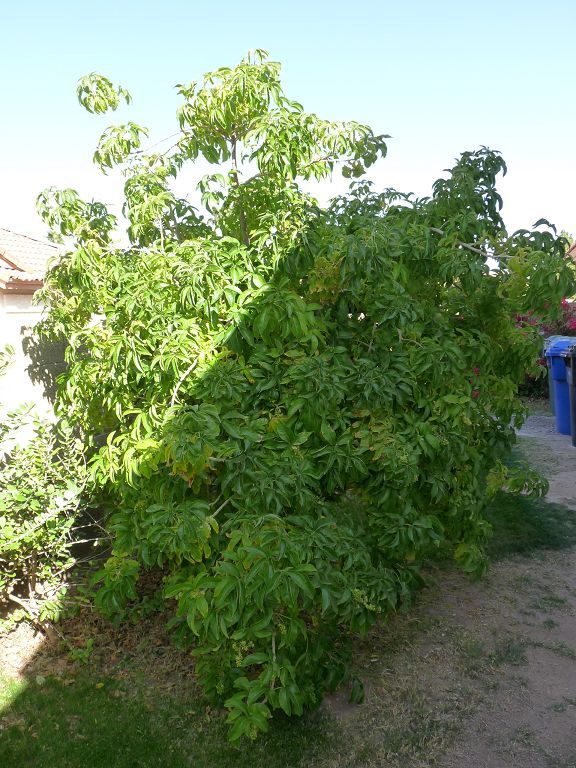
pixel 288 408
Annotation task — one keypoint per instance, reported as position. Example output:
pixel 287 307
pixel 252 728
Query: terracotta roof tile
pixel 23 254
pixel 8 275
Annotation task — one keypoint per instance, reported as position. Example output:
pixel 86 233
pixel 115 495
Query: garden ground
pixel 476 674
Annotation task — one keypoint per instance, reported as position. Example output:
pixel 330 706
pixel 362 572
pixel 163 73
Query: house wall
pixel 17 315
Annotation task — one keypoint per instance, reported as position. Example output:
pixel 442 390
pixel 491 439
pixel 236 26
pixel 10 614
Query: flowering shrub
pixel 562 323
pixel 566 323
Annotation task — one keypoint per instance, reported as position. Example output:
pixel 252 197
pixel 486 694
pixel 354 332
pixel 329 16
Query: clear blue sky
pixel 439 77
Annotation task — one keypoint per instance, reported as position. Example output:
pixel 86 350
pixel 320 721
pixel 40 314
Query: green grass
pixel 549 624
pixel 509 651
pixel 523 526
pixel 562 649
pixel 9 690
pixel 549 602
pixel 473 654
pixel 95 721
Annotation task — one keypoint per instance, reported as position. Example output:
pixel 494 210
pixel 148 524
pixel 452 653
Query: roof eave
pixel 20 286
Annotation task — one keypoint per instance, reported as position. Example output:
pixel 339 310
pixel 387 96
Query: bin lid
pixel 549 340
pixel 563 344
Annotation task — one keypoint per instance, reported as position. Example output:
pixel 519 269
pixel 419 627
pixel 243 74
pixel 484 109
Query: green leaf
pixel 327 433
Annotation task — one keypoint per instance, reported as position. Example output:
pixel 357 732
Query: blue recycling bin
pixel 569 356
pixel 548 341
pixel 557 370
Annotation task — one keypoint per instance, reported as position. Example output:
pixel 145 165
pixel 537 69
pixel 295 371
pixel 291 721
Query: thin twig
pixel 181 381
pixel 221 507
pixel 472 247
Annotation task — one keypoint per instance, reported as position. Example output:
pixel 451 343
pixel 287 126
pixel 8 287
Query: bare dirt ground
pixel 519 636
pixel 484 674
pixel 529 720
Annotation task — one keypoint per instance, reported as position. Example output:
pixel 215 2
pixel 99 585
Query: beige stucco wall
pixel 17 313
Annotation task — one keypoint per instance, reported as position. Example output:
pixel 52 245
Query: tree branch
pixel 472 247
pixel 181 381
pixel 236 181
